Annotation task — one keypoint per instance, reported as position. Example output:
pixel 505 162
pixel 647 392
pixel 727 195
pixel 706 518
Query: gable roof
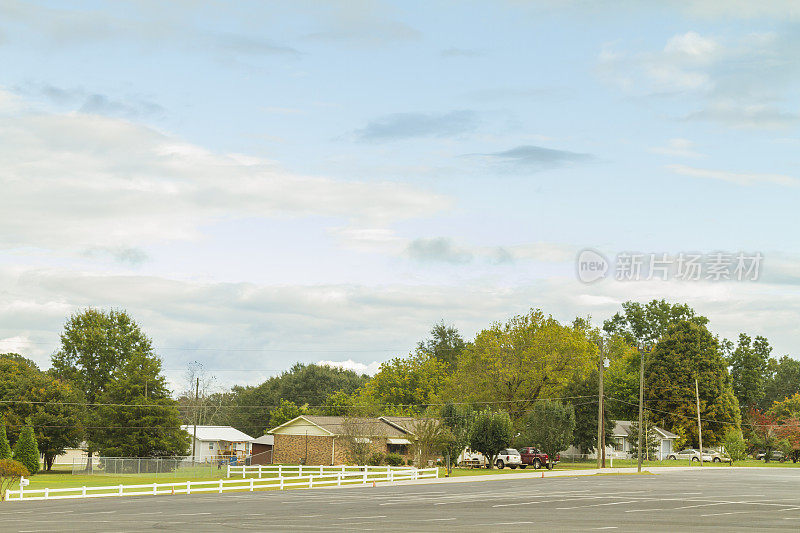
pixel 217 433
pixel 339 425
pixel 622 428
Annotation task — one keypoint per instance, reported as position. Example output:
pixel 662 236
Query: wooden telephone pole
pixel 196 397
pixel 641 407
pixel 601 427
pixel 699 424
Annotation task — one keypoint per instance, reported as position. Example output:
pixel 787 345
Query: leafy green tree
pixel 142 419
pixel 783 380
pixel 788 408
pixel 651 441
pixel 302 384
pixel 26 451
pixel 749 366
pixel 409 384
pixel 684 353
pixel 491 432
pixel 458 419
pixel 646 323
pixel 734 445
pixel 284 412
pixel 95 346
pixel 529 357
pixel 761 432
pixel 53 406
pixel 549 426
pixel 5 448
pixel 429 439
pixel 337 404
pixel 445 344
pixel 582 396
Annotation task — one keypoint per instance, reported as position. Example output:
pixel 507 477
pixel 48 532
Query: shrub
pixel 5 448
pixel 394 459
pixel 376 459
pixel 10 472
pixel 26 451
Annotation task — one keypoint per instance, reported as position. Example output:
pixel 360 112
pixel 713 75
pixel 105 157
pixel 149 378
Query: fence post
pixel 280 472
pixel 259 471
pixel 120 490
pixel 365 476
pixel 281 480
pixel 155 489
pixel 83 491
pixel 243 471
pixel 220 486
pixel 300 470
pixel 46 492
pixel 188 487
pixel 251 484
pixel 391 476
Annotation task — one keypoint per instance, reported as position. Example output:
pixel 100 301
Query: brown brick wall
pixel 291 449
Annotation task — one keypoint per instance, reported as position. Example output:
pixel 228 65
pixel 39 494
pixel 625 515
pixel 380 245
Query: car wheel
pixel 672 458
pixel 537 464
pixel 717 460
pixel 782 459
pixel 523 466
pixel 695 460
pixel 549 466
pixel 512 467
pixel 500 464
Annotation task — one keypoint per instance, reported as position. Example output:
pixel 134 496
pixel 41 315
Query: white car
pixel 691 453
pixel 508 457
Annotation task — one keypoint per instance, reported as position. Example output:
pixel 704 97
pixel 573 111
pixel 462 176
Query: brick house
pixel 322 440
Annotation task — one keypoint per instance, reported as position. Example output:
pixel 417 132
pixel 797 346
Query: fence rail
pixel 365 476
pixel 299 470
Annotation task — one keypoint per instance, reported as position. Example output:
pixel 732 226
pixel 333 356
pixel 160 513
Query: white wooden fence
pixel 300 470
pixel 312 480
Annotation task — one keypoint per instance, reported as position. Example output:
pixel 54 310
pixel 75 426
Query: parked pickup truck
pixel 537 459
pixel 508 457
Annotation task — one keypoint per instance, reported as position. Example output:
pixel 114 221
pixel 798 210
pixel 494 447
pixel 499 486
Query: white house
pixel 622 447
pixel 219 442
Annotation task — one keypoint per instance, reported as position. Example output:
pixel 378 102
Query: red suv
pixel 537 458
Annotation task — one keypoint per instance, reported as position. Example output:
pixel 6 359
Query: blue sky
pixel 260 183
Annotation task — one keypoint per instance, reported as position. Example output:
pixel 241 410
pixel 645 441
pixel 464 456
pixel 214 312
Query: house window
pixel 618 444
pixel 210 445
pixel 402 449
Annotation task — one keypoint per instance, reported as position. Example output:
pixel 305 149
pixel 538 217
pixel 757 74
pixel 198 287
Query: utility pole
pixel 601 434
pixel 196 397
pixel 699 425
pixel 641 405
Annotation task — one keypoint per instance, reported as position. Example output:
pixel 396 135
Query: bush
pixel 394 459
pixel 26 451
pixel 5 448
pixel 410 462
pixel 376 459
pixel 10 472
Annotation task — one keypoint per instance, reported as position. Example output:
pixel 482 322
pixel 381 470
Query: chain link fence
pixel 178 467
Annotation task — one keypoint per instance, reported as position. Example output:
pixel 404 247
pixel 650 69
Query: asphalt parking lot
pixel 709 499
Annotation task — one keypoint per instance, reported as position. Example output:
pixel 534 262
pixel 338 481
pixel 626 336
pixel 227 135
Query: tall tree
pixel 139 418
pixel 749 367
pixel 95 346
pixel 444 343
pixel 783 380
pixel 458 419
pixel 54 407
pixel 549 426
pixel 26 451
pixel 687 352
pixel 582 396
pixel 408 385
pixel 649 439
pixel 5 447
pixel 646 323
pixel 529 357
pixel 491 432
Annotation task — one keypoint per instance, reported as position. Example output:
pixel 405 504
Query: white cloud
pixel 361 368
pixel 81 181
pixel 740 178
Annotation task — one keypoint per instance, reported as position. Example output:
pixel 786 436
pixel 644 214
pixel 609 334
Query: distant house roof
pixel 218 433
pixel 267 439
pixel 340 425
pixel 623 429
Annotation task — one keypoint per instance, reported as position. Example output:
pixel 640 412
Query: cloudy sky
pixel 260 183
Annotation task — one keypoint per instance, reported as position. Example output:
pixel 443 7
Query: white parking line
pixel 595 505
